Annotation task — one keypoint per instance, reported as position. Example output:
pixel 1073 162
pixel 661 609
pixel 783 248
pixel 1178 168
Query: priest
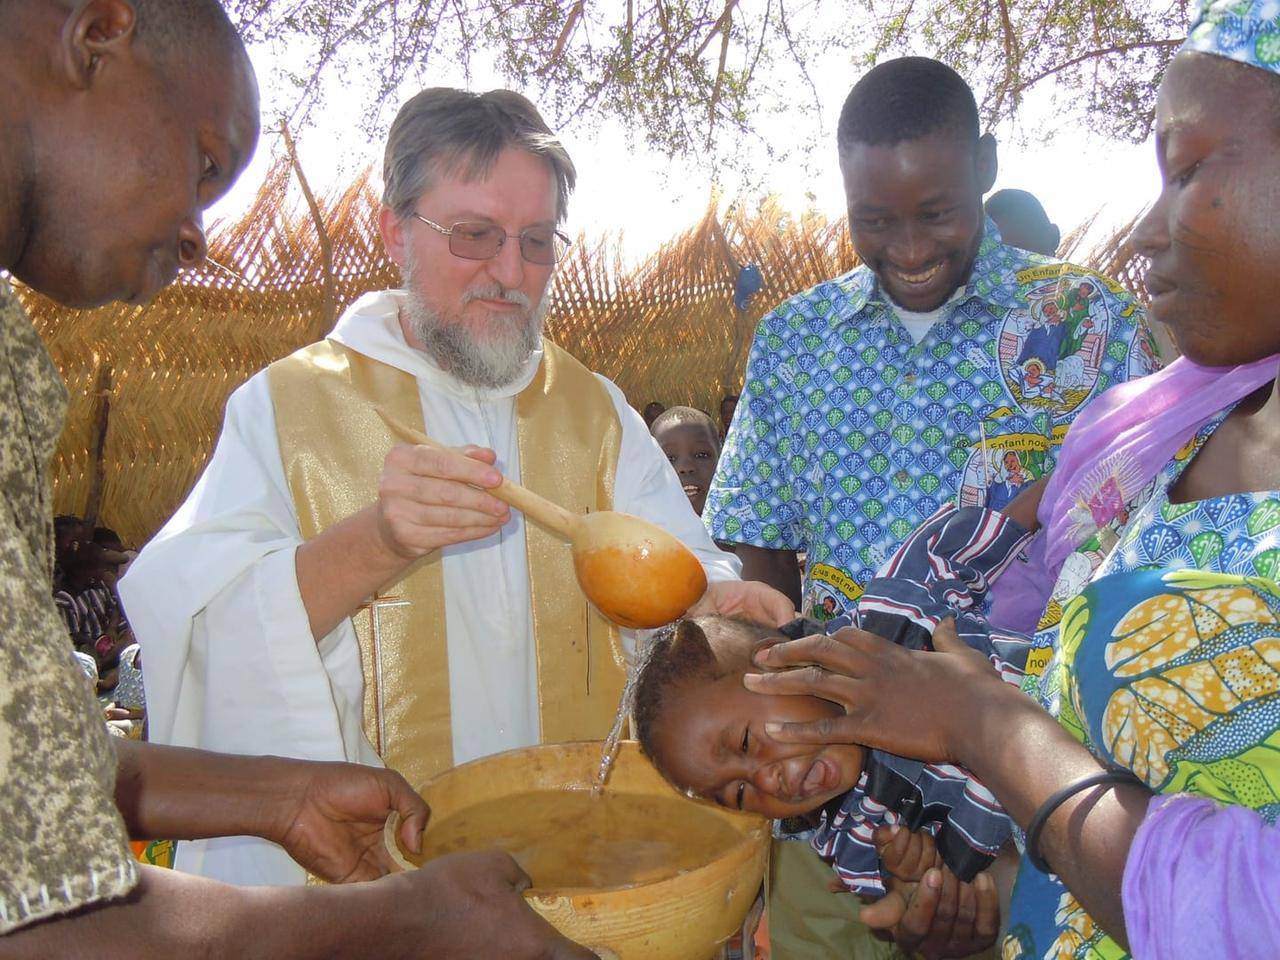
pixel 329 594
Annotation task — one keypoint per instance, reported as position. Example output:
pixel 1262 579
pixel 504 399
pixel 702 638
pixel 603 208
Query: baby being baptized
pixel 705 732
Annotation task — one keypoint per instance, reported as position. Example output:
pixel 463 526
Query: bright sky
pixel 625 187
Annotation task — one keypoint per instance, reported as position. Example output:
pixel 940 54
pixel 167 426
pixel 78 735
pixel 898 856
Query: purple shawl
pixel 1115 447
pixel 1201 881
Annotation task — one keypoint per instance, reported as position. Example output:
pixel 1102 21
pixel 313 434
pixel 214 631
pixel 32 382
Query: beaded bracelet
pixel 1116 775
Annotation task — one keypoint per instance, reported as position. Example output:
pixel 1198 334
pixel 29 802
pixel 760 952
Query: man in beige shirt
pixel 120 122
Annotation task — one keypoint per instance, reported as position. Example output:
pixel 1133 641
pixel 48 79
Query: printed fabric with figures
pixel 849 434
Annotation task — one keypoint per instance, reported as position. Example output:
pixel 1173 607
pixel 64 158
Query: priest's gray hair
pixel 446 131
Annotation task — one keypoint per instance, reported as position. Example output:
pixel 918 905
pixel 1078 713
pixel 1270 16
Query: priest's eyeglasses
pixel 479 240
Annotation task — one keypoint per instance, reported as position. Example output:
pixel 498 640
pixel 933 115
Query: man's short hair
pixel 907 99
pixel 183 27
pixel 443 130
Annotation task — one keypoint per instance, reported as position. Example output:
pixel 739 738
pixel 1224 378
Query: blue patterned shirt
pixel 849 434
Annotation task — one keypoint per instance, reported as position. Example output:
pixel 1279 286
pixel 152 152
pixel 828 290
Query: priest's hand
pixel 747 599
pixel 330 816
pixel 430 498
pixel 427 499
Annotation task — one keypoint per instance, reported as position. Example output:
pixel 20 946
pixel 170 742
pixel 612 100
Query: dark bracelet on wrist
pixel 1116 775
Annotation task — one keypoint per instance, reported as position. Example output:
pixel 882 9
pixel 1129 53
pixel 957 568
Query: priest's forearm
pixel 342 568
pixel 428 498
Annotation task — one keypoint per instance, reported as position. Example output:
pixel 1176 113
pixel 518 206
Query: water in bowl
pixel 571 839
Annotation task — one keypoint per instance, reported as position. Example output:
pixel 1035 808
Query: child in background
pixel 706 732
pixel 127 709
pixel 92 613
pixel 689 439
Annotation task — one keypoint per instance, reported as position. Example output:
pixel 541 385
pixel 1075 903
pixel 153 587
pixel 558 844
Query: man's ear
pixel 393 232
pixel 987 163
pixel 100 29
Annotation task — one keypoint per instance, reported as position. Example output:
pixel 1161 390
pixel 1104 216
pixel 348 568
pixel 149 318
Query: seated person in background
pixel 1022 222
pixel 688 438
pixel 68 533
pixel 89 607
pixel 707 734
pixel 127 710
pixel 652 410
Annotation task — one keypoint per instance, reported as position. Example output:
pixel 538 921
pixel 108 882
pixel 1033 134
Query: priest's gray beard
pixel 495 357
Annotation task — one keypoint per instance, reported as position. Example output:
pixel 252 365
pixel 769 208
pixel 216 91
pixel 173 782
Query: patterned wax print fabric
pixel 1247 31
pixel 849 433
pixel 128 691
pixel 1042 671
pixel 1167 662
pixel 942 570
pixel 88 614
pixel 62 842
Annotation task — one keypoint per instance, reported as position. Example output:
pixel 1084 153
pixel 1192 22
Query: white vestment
pixel 228 655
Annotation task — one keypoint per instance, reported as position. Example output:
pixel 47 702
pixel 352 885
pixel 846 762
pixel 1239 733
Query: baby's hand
pixel 906 854
pixel 937 917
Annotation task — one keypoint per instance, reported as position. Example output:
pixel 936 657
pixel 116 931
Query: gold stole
pixel 332 445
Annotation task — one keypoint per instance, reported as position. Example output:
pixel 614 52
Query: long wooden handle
pixel 552 516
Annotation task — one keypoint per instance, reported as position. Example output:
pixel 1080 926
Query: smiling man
pixel 328 592
pixel 876 397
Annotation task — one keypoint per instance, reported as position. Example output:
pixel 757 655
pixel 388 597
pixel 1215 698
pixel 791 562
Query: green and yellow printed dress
pixel 1167 661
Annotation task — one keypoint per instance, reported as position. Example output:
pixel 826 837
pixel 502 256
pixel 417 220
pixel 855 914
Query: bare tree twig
pixel 1099 54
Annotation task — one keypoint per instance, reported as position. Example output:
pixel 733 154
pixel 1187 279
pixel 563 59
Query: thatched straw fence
pixel 148 384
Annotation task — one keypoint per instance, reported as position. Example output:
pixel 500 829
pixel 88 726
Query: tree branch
pixel 570 23
pixel 1012 56
pixel 721 26
pixel 1099 54
pixel 725 24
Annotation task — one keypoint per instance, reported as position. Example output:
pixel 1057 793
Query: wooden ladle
pixel 635 573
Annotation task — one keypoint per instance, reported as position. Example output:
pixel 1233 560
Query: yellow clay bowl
pixel 683 917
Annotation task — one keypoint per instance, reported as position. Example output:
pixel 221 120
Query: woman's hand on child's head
pixel 911 703
pixel 906 854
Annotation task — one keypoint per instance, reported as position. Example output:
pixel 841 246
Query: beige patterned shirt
pixel 62 842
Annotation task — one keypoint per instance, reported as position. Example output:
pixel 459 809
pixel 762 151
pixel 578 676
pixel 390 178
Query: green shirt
pixel 62 842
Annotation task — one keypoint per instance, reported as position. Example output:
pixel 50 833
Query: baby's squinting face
pixel 711 740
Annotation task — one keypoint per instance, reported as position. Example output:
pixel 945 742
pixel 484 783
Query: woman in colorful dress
pixel 1145 768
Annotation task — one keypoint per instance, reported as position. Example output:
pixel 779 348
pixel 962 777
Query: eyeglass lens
pixel 482 241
